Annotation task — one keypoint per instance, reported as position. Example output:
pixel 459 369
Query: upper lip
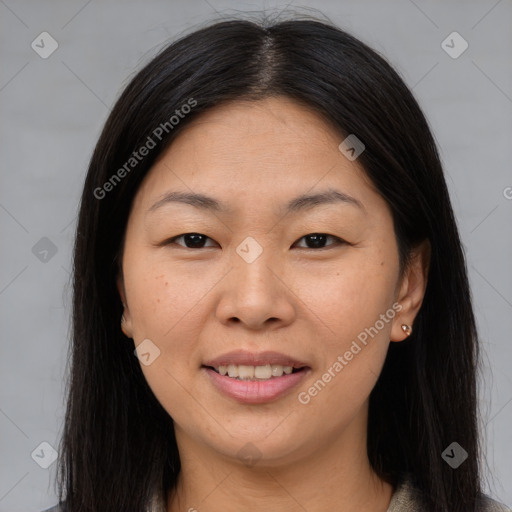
pixel 244 357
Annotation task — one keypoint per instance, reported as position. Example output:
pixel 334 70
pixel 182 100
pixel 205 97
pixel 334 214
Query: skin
pixel 307 302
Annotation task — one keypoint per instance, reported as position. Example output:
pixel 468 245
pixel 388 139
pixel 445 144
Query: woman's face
pixel 314 282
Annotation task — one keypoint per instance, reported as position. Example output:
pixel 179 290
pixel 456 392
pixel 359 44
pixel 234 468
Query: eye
pixel 317 240
pixel 313 240
pixel 192 240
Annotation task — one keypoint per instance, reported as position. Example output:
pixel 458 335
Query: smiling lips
pixel 255 378
pixel 249 372
pixel 243 357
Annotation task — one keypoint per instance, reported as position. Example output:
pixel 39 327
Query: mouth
pixel 255 378
pixel 255 373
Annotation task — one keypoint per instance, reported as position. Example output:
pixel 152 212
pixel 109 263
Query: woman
pixel 271 303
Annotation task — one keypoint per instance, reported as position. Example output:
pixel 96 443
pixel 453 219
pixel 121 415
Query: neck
pixel 336 475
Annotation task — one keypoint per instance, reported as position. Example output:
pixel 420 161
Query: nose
pixel 256 294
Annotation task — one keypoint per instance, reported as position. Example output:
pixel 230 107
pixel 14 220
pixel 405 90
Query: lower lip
pixel 255 391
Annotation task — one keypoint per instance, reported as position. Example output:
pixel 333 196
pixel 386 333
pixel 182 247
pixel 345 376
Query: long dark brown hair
pixel 118 446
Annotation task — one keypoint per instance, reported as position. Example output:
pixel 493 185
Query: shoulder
pixel 406 498
pixel 489 505
pixel 61 507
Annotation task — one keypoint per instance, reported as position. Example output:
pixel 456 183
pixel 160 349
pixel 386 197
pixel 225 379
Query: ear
pixel 412 289
pixel 126 322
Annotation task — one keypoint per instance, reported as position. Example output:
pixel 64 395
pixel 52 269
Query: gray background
pixel 52 112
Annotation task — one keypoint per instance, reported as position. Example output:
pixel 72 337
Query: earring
pixel 407 329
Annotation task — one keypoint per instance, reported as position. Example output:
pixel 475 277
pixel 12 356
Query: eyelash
pixel 339 241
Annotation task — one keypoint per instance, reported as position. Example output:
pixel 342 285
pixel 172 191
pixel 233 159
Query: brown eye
pixel 191 240
pixel 198 240
pixel 317 240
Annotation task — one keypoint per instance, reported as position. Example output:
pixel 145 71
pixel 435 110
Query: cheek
pixel 349 296
pixel 163 299
pixel 169 305
pixel 355 306
pixel 166 308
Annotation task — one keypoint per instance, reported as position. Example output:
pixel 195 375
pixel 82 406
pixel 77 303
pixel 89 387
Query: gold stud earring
pixel 407 329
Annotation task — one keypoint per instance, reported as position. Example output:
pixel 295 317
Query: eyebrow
pixel 303 202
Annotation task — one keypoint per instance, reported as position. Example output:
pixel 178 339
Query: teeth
pixel 277 370
pixel 245 372
pixel 263 372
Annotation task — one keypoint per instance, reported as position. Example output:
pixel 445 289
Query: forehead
pixel 257 125
pixel 261 150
